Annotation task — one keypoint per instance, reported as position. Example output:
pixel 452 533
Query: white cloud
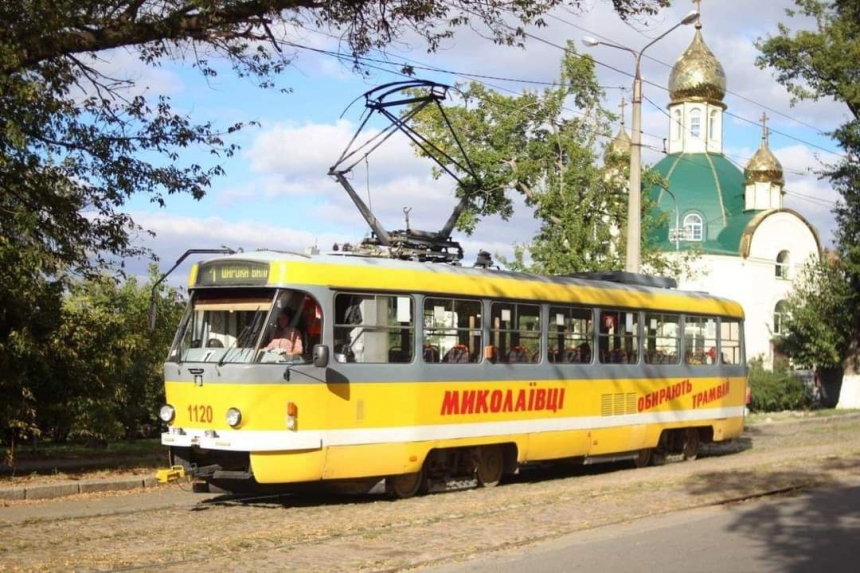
pixel 293 150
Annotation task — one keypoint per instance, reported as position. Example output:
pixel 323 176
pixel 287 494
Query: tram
pixel 426 375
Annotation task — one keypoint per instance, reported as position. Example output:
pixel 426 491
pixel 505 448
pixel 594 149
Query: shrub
pixel 777 390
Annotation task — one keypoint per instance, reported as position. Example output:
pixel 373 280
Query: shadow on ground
pixel 811 524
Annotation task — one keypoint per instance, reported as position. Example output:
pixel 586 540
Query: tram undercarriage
pixel 443 470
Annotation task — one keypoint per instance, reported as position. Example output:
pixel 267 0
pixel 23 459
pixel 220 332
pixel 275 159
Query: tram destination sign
pixel 221 273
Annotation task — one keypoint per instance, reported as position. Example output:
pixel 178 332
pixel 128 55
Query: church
pixel 748 247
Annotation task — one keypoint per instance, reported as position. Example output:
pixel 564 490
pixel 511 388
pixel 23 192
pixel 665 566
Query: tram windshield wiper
pixel 246 334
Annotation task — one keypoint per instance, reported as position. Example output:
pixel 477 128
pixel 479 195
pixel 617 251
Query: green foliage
pixel 817 332
pixel 825 62
pixel 544 146
pixel 97 372
pixel 76 144
pixel 777 390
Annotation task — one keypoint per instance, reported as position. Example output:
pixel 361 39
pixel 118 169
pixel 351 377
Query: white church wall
pixel 753 282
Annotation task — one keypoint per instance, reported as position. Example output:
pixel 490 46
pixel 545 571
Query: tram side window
pixel 452 331
pixel 373 329
pixel 662 338
pixel 700 340
pixel 570 332
pixel 514 333
pixel 618 337
pixel 731 334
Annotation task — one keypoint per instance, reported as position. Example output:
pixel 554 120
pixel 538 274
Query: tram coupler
pixel 178 472
pixel 174 473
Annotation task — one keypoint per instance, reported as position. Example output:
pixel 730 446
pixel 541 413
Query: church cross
pixel 698 4
pixel 622 105
pixel 764 130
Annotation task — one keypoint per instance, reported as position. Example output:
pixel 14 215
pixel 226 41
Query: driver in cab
pixel 286 339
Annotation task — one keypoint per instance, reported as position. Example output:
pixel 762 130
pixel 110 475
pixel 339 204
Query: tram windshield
pixel 238 326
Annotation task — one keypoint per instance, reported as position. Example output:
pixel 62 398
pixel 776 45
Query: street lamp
pixel 634 209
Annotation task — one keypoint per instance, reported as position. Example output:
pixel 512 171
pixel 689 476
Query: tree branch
pixel 129 28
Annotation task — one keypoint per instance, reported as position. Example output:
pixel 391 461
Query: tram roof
pixel 347 270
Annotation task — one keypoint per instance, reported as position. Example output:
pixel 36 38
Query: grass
pixel 69 451
pixel 770 417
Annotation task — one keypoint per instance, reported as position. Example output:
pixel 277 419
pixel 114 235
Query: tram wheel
pixel 691 444
pixel 491 464
pixel 405 486
pixel 643 459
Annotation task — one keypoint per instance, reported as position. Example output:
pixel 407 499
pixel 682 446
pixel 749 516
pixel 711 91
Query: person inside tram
pixel 286 338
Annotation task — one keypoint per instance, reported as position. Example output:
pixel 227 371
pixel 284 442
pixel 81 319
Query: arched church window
pixel 783 265
pixel 696 122
pixel 779 313
pixel 693 227
pixel 678 124
pixel 712 125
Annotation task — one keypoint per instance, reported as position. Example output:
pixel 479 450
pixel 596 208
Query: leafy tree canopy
pixel 75 144
pixel 544 145
pixel 825 62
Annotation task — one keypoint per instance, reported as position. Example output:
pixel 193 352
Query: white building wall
pixel 752 281
pixel 710 127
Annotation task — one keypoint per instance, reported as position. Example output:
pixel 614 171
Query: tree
pixel 75 144
pixel 543 145
pixel 826 63
pixel 812 336
pixel 106 366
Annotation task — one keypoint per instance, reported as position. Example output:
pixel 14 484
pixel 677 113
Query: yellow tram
pixel 427 374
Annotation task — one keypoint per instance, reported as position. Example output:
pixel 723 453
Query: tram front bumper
pixel 242 440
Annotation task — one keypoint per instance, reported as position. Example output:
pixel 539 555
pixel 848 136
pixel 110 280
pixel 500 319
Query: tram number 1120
pixel 200 413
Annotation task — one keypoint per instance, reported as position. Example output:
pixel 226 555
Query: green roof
pixel 710 186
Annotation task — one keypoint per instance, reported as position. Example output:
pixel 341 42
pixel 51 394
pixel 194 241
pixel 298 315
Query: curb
pixel 70 488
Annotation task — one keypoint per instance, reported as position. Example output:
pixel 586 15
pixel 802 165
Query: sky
pixel 276 192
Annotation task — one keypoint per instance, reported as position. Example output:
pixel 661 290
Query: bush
pixel 777 390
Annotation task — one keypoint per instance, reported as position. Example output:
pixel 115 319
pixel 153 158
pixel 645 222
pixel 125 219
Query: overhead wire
pixel 656 60
pixel 369 62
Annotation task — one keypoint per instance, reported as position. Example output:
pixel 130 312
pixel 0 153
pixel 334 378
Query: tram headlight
pixel 167 413
pixel 234 417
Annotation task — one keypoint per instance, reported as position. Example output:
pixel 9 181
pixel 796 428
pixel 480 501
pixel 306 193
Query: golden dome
pixel 763 167
pixel 621 143
pixel 697 75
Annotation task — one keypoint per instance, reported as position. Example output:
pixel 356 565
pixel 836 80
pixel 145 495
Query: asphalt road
pixel 816 531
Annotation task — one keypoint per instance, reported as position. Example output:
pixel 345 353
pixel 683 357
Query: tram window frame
pixel 734 354
pixel 658 340
pixel 608 349
pixel 565 326
pixel 453 343
pixel 351 346
pixel 700 349
pixel 521 341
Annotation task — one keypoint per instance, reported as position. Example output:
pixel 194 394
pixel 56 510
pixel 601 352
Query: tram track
pixel 346 533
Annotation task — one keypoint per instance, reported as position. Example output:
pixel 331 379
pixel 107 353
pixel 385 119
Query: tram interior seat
pixel 518 354
pixel 431 353
pixel 661 357
pixel 617 356
pixel 458 354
